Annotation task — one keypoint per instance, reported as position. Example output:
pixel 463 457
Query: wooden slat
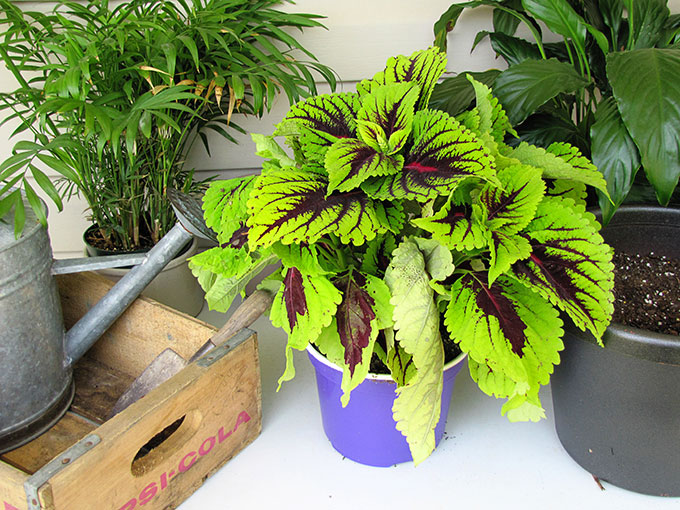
pixel 35 454
pixel 140 334
pixel 98 387
pixel 12 493
pixel 210 398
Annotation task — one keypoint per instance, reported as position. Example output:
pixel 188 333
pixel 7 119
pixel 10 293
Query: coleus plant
pixel 390 219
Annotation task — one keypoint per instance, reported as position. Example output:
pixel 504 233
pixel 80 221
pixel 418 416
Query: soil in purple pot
pixel 647 292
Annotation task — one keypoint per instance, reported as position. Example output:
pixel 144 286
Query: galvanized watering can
pixel 36 354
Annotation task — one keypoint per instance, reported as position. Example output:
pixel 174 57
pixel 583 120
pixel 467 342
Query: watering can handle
pixel 98 319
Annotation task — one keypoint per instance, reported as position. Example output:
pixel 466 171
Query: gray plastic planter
pixel 617 409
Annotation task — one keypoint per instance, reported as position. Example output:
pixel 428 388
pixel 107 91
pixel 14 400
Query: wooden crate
pixel 158 451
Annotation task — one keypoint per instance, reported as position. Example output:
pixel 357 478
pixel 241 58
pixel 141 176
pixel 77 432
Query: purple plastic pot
pixel 365 431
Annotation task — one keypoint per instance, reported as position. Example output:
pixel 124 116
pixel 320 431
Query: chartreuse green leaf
pixel 650 108
pixel 576 191
pixel 321 121
pixel 224 272
pixel 569 265
pixel 416 322
pixel 225 210
pixel 492 117
pixel 559 161
pixel 510 207
pixel 304 257
pixel 291 206
pixel 424 67
pixel 506 210
pixel 508 333
pixel 330 341
pixel 454 227
pixel 350 162
pixel 386 114
pixel 443 154
pixel 455 94
pixel 523 403
pixel 267 148
pixel 438 259
pixel 505 250
pixel 303 307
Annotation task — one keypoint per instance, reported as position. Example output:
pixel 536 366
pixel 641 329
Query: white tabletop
pixel 484 461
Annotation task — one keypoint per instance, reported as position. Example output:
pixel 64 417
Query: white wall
pixel 361 35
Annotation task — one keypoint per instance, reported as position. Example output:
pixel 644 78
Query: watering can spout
pixel 96 321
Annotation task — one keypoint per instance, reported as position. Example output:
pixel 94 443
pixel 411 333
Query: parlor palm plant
pixel 112 97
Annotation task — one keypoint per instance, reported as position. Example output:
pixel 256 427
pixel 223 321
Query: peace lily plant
pixel 390 219
pixel 607 84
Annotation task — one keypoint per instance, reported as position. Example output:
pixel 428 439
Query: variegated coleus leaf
pixel 400 364
pixel 416 323
pixel 559 161
pixel 320 121
pixel 349 162
pixel 506 210
pixel 564 188
pixel 225 210
pixel 291 206
pixel 423 67
pixel 442 155
pixel 304 305
pixel 354 317
pixel 349 335
pixel 570 264
pixel 223 273
pixel 575 191
pixel 505 250
pixel 455 227
pixel 515 334
pixel 510 207
pixel 386 114
pixel 492 119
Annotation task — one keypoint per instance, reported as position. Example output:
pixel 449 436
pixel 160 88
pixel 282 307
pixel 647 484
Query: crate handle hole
pixel 165 443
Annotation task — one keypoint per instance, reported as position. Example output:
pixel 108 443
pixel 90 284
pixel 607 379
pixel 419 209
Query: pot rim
pixel 637 342
pixel 374 377
pixel 190 250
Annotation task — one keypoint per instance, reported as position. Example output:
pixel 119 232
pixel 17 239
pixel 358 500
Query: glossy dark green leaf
pixel 615 155
pixel 560 17
pixel 455 95
pixel 650 109
pixel 524 87
pixel 513 49
pixel 649 17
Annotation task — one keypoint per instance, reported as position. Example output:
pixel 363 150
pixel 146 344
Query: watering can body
pixel 36 353
pixel 35 383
